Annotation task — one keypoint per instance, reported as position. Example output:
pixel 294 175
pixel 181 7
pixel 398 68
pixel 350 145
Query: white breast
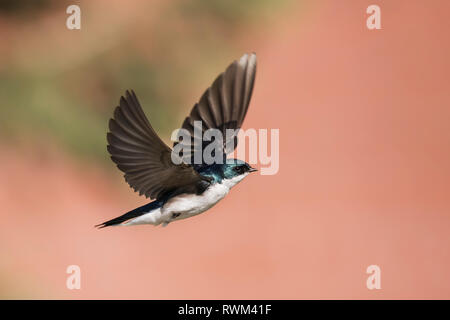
pixel 192 204
pixel 188 205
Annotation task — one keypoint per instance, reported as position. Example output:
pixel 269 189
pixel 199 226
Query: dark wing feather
pixel 143 157
pixel 224 104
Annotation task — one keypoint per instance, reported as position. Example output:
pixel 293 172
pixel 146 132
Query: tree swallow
pixel 186 188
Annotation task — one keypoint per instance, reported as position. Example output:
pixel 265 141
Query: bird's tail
pixel 123 219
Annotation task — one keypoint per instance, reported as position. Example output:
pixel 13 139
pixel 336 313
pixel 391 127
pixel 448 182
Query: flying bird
pixel 186 188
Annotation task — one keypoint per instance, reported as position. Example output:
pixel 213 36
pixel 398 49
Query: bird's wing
pixel 143 157
pixel 223 105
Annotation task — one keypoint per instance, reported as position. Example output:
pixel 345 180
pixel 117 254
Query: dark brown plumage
pixel 146 160
pixel 224 104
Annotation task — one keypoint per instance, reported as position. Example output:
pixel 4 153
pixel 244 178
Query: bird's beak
pixel 252 170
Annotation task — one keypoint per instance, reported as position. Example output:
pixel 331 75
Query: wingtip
pixel 100 226
pixel 247 58
pixel 129 93
pixel 249 54
pixel 122 101
pixel 126 97
pixel 252 57
pixel 111 124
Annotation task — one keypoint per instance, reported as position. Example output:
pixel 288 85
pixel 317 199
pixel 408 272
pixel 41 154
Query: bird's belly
pixel 188 205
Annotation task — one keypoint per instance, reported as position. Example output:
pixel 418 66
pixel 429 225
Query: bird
pixel 182 189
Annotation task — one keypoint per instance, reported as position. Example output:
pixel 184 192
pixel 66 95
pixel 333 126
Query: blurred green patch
pixel 230 12
pixel 15 7
pixel 163 61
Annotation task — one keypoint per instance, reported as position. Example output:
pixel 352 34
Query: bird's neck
pixel 214 171
pixel 230 183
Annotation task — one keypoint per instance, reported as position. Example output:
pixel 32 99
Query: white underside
pixel 187 205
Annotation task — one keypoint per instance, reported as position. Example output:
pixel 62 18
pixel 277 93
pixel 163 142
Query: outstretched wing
pixel 143 157
pixel 223 106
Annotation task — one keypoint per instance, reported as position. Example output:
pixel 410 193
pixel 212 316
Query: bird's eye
pixel 239 169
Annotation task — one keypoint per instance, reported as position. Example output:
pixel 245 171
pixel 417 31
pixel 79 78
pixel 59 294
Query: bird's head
pixel 235 170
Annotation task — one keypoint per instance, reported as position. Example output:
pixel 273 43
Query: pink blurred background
pixel 364 171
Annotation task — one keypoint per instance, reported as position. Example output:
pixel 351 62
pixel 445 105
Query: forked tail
pixel 131 215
